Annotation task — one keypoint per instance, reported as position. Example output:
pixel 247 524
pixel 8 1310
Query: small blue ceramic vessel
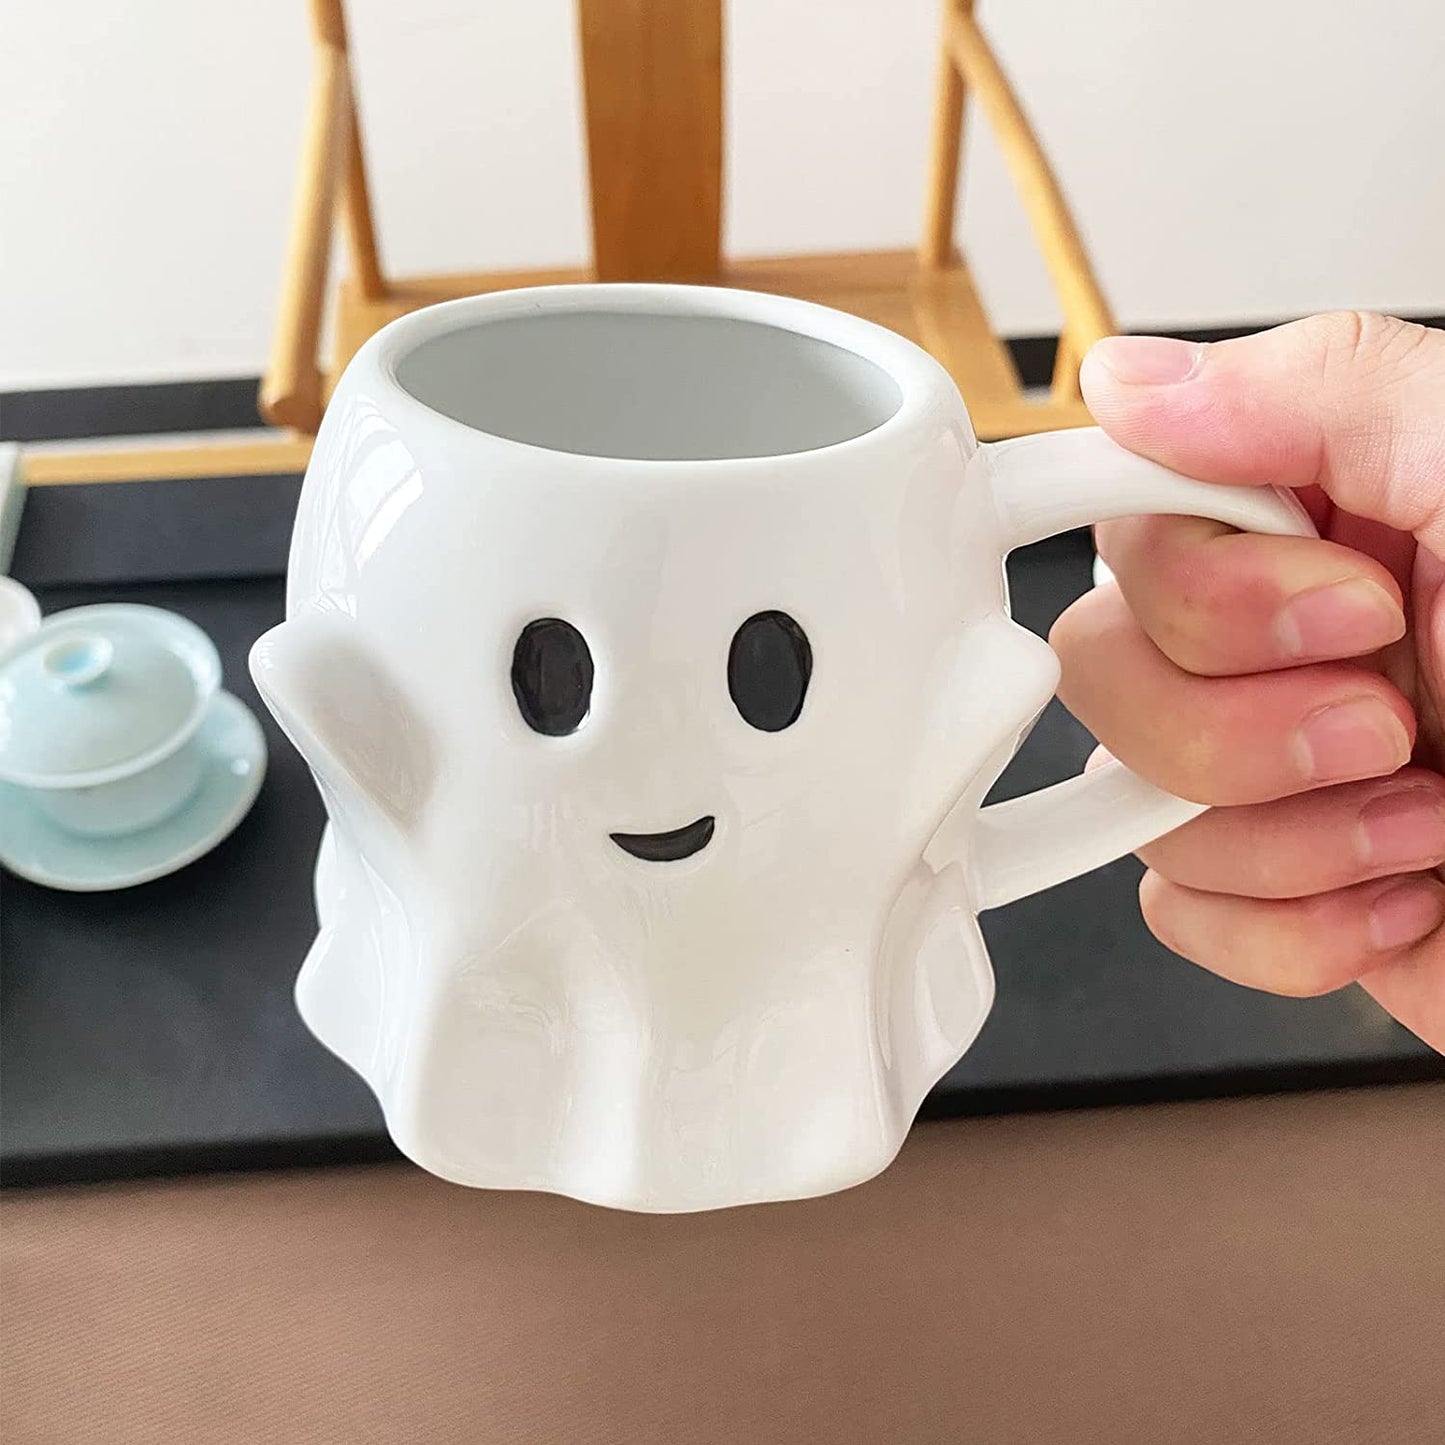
pixel 99 711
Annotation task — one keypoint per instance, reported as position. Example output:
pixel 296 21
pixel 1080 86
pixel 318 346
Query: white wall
pixel 1228 161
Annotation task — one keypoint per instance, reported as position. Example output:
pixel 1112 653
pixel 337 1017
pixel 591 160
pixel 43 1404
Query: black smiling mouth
pixel 667 847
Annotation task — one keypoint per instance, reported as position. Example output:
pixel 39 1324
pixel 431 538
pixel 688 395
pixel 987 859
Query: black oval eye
pixel 769 665
pixel 552 676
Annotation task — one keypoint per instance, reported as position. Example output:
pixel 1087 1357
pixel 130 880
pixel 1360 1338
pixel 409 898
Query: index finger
pixel 1349 402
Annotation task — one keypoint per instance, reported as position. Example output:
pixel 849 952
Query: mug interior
pixel 649 387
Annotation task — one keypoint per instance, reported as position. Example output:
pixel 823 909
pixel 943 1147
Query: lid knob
pixel 78 661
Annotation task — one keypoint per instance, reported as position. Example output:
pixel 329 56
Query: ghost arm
pixel 347 717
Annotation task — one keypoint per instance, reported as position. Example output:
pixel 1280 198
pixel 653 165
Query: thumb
pixel 1351 402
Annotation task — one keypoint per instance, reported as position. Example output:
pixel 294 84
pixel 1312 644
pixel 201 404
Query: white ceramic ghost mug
pixel 650 646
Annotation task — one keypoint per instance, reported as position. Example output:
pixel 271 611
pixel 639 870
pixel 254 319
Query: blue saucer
pixel 233 752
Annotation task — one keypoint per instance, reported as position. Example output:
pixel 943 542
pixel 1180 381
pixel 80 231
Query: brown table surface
pixel 1268 1269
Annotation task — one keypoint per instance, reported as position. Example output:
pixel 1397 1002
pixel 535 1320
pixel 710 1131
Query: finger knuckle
pixel 1186 630
pixel 1363 363
pixel 1179 585
pixel 1156 898
pixel 1359 351
pixel 1076 632
pixel 1299 981
pixel 1304 948
pixel 1201 743
pixel 1271 875
pixel 1282 947
pixel 1113 540
pixel 1348 340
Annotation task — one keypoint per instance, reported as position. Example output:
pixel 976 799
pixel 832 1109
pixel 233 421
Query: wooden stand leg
pixel 1065 384
pixel 937 248
pixel 356 206
pixel 333 172
pixel 652 93
pixel 291 391
pixel 1086 316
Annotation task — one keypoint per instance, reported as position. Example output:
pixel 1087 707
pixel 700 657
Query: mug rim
pixel 922 382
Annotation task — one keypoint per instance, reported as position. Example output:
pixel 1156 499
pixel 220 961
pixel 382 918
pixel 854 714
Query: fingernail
pixel 1361 738
pixel 1402 830
pixel 1148 360
pixel 1406 913
pixel 1344 619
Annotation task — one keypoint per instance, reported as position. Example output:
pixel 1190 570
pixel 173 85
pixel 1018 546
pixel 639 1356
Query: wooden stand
pixel 652 80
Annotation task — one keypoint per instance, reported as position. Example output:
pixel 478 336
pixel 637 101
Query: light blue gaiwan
pixel 120 758
pixel 99 708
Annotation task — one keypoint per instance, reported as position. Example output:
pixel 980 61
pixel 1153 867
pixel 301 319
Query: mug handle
pixel 1051 483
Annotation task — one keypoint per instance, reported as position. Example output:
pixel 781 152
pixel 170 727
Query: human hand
pixel 1297 685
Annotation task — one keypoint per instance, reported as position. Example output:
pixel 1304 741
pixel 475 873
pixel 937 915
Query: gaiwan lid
pixel 97 693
